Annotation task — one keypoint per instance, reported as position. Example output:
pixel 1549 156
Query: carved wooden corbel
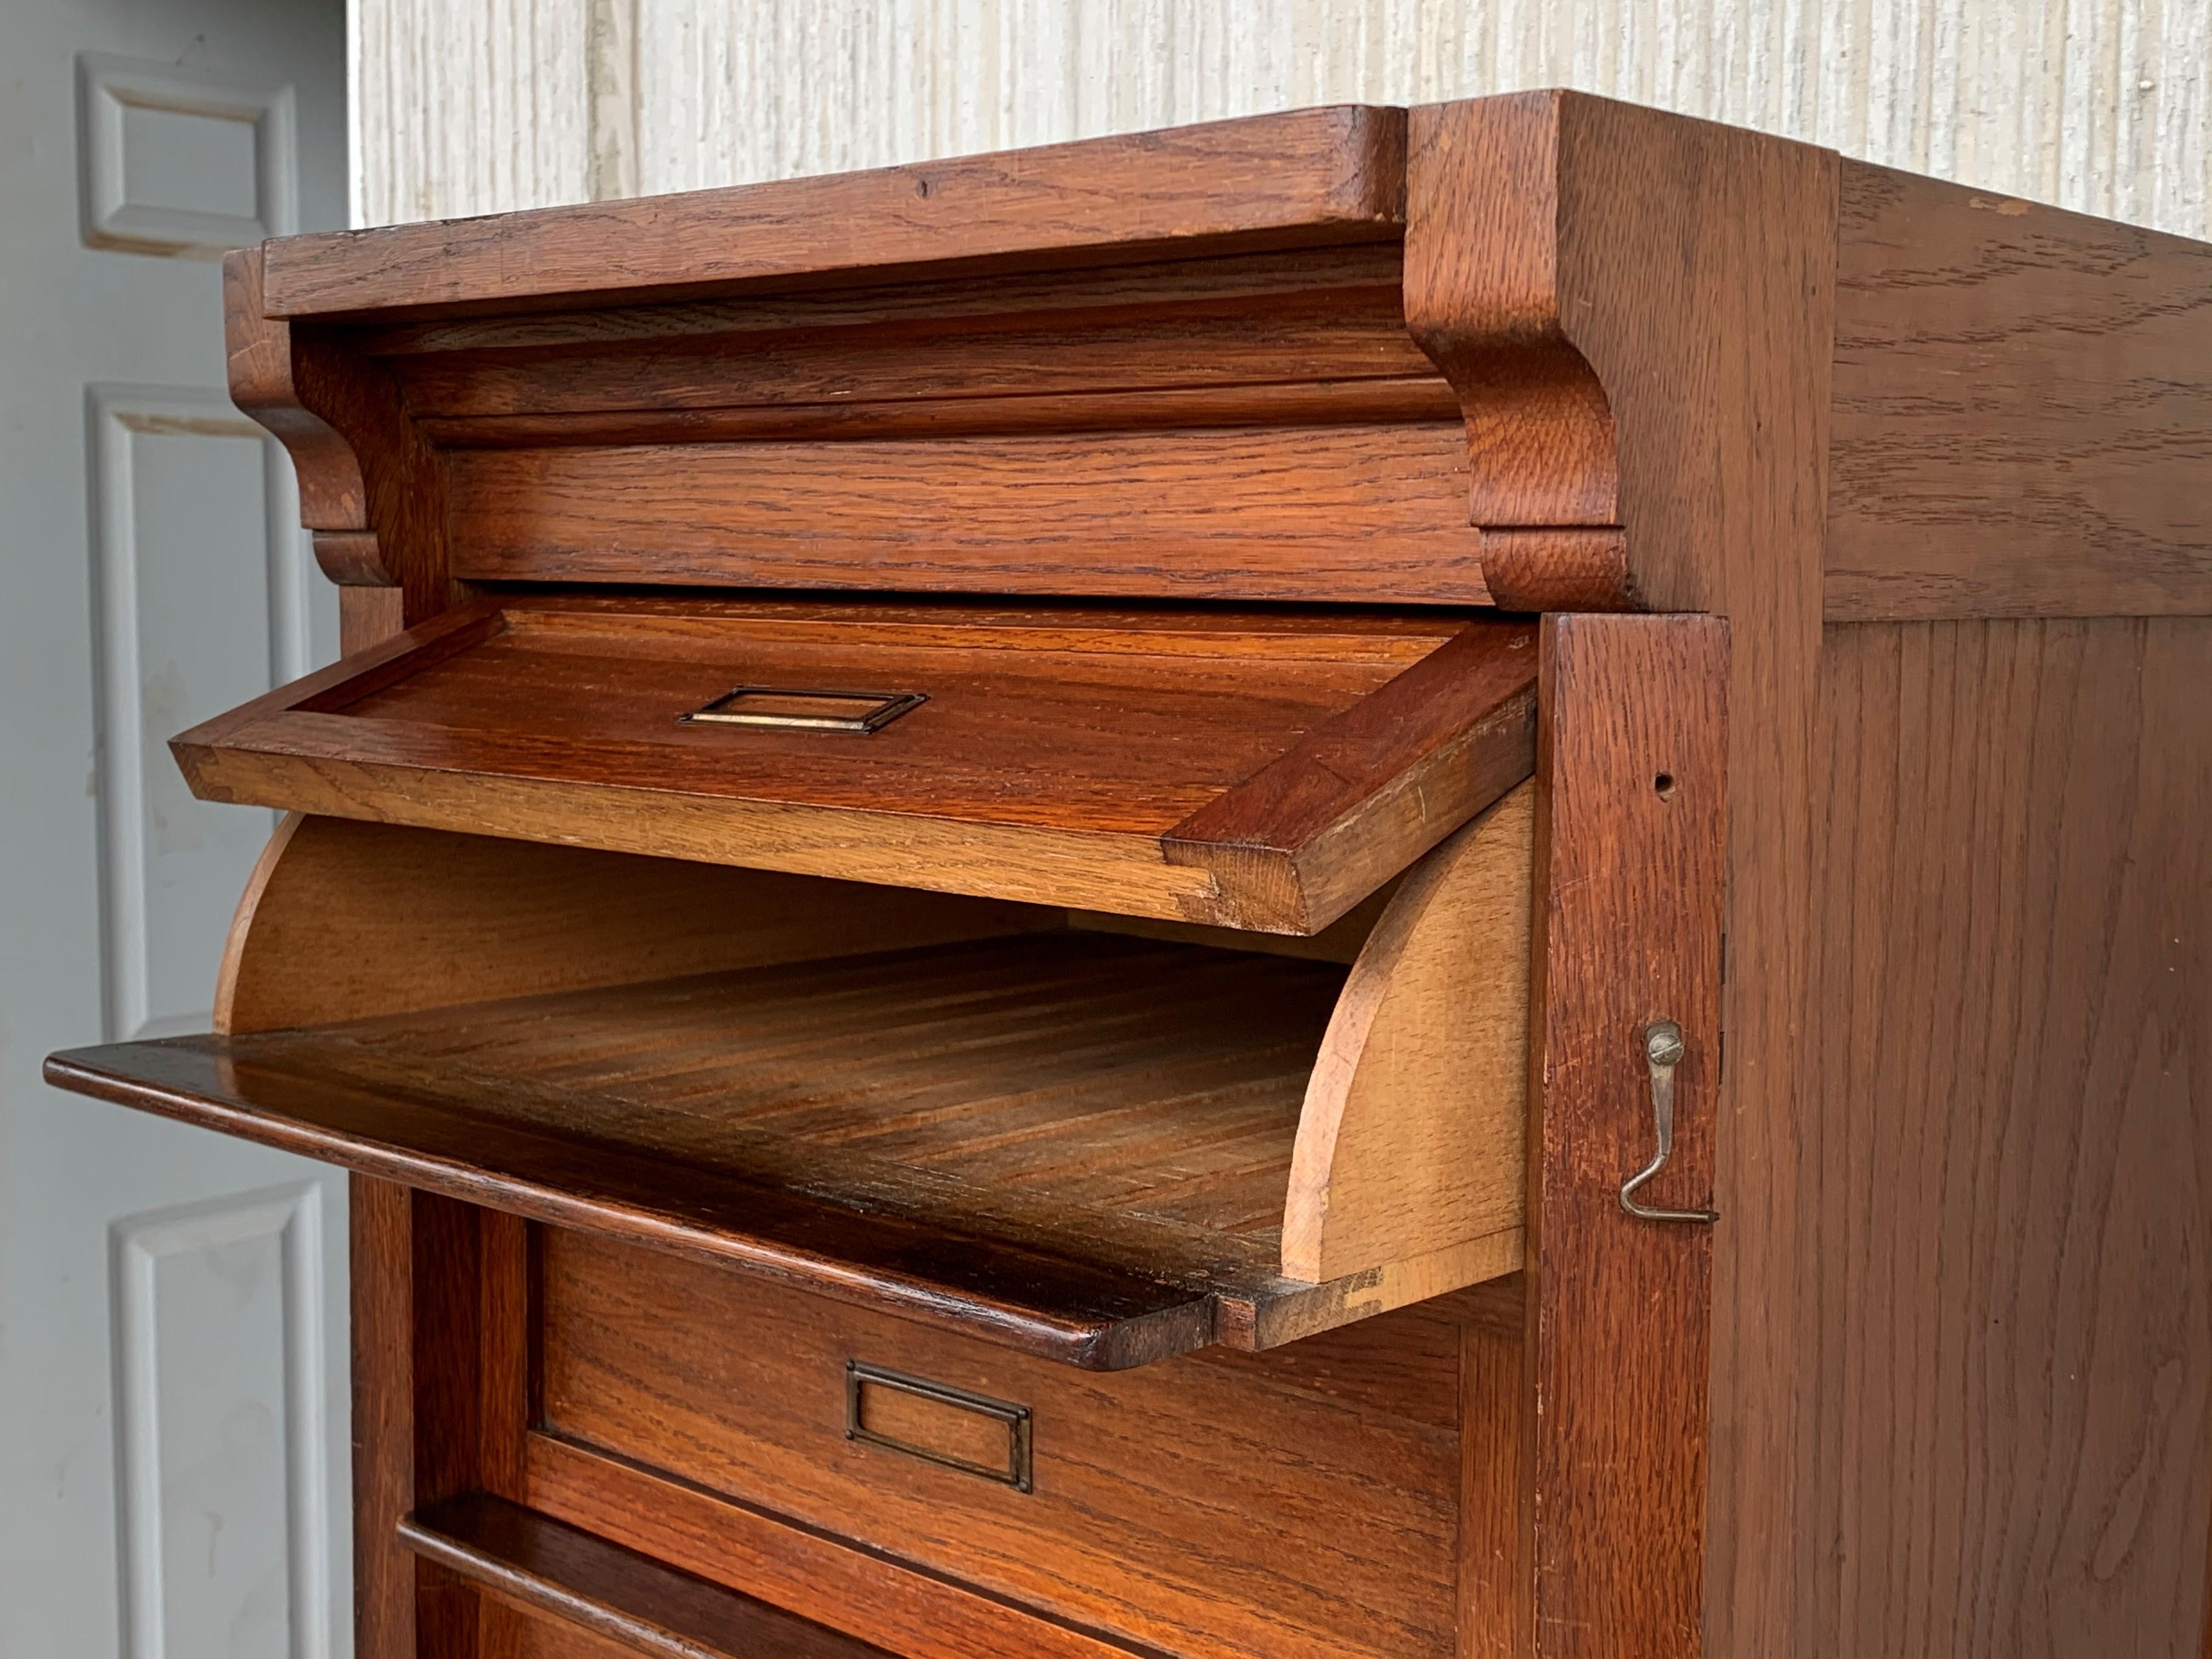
pixel 371 490
pixel 1482 300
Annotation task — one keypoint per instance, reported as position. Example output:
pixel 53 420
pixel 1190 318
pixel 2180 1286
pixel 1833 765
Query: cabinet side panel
pixel 2023 409
pixel 2009 1173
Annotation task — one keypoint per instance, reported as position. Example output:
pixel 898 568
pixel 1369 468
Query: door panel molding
pixel 199 1263
pixel 132 656
pixel 130 110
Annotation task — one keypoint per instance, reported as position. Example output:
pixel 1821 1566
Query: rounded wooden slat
pixel 1410 1147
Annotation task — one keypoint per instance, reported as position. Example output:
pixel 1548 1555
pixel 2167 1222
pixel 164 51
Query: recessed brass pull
pixel 950 1427
pixel 792 708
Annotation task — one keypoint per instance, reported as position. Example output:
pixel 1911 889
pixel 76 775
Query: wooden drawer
pixel 1300 1503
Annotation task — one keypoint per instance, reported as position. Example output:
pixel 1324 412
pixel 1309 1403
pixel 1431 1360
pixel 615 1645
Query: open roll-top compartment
pixel 1107 983
pixel 1100 1139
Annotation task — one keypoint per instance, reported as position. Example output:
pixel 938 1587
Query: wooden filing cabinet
pixel 1403 883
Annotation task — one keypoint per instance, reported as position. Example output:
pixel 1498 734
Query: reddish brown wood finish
pixel 1958 1373
pixel 2011 1179
pixel 865 1593
pixel 1484 292
pixel 1311 176
pixel 1232 512
pixel 1328 319
pixel 1188 419
pixel 1073 1143
pixel 1689 270
pixel 1496 1511
pixel 370 487
pixel 1633 793
pixel 439 1395
pixel 1071 1309
pixel 540 1565
pixel 1208 1508
pixel 1265 772
pixel 2022 403
pixel 380 1216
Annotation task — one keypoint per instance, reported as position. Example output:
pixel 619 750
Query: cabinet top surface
pixel 1334 175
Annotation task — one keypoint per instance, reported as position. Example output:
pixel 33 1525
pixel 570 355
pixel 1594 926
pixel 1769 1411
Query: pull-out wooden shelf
pixel 1078 1143
pixel 1098 1145
pixel 1257 771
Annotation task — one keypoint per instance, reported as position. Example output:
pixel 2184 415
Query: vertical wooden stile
pixel 380 1216
pixel 1630 856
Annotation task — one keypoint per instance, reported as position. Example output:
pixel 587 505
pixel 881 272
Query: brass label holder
pixel 798 708
pixel 1016 1472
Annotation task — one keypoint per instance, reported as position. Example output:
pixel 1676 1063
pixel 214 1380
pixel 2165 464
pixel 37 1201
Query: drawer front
pixel 1304 1503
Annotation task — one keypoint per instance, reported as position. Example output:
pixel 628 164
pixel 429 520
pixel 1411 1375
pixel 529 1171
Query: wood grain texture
pixel 1631 874
pixel 1210 1509
pixel 2023 400
pixel 548 1638
pixel 1233 512
pixel 1339 942
pixel 467 1371
pixel 1948 1408
pixel 1347 327
pixel 378 1220
pixel 1485 292
pixel 1497 1504
pixel 1311 407
pixel 370 486
pixel 1078 1143
pixel 541 1566
pixel 1258 282
pixel 344 916
pixel 1695 268
pixel 1571 569
pixel 2012 1174
pixel 1146 1102
pixel 369 616
pixel 868 1593
pixel 1411 1137
pixel 1265 772
pixel 458 1333
pixel 263 383
pixel 1311 176
pixel 1305 837
pixel 1305 337
pixel 1076 1310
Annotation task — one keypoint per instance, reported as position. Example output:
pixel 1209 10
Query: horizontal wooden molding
pixel 1311 176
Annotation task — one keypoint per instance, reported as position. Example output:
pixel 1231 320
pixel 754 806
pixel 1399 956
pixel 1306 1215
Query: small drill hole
pixel 1664 783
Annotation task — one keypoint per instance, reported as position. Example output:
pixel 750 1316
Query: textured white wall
pixel 472 105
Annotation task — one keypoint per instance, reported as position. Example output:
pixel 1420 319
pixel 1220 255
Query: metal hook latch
pixel 1664 1048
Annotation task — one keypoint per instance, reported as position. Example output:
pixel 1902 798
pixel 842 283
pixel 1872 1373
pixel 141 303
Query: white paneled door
pixel 173 1377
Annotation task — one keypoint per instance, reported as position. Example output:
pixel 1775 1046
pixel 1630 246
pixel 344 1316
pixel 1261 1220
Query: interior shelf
pixel 1101 1139
pixel 1076 1140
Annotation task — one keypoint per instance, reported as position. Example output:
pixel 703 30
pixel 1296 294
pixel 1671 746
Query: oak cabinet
pixel 1211 894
